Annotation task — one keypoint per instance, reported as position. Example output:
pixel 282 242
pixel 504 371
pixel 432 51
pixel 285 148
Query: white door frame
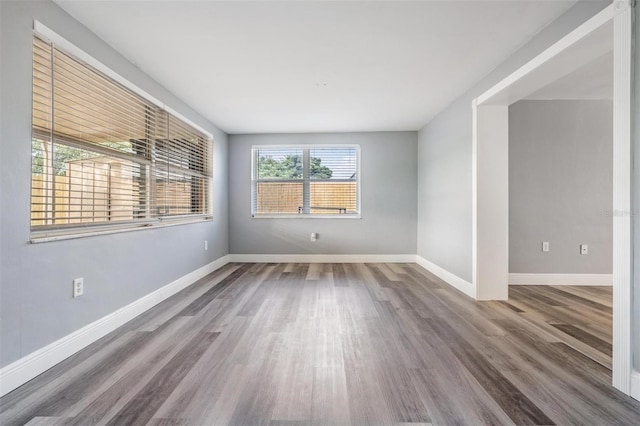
pixel 490 164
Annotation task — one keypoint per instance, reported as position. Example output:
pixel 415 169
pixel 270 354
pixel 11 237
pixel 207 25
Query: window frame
pixel 54 232
pixel 306 181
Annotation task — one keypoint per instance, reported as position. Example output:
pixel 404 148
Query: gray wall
pixel 388 190
pixel 444 157
pixel 636 200
pixel 560 186
pixel 35 279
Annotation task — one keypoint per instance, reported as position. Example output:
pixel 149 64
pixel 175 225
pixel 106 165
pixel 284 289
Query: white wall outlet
pixel 78 287
pixel 584 249
pixel 314 237
pixel 206 245
pixel 545 246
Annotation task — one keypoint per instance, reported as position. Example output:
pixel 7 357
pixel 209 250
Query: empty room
pixel 319 212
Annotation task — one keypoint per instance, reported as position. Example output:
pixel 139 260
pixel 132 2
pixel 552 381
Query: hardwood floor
pixel 289 344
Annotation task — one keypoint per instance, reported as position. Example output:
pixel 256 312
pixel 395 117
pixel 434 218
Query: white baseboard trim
pixel 323 258
pixel 453 280
pixel 560 279
pixel 34 364
pixel 635 385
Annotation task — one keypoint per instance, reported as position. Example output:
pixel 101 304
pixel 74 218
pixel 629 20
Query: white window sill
pixel 38 237
pixel 306 216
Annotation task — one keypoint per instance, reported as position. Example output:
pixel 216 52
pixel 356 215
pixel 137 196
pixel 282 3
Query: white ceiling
pixel 591 82
pixel 303 66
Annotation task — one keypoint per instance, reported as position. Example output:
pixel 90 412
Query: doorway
pixel 611 29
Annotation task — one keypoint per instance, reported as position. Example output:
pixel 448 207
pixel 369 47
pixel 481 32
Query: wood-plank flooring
pixel 289 344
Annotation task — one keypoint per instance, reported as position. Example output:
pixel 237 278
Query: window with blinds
pixel 305 180
pixel 103 155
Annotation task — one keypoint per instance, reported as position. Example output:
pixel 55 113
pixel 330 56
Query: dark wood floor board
pixel 574 312
pixel 545 316
pixel 564 371
pixel 561 336
pixel 601 294
pixel 533 321
pixel 216 291
pixel 337 344
pixel 378 275
pixel 538 379
pixel 554 358
pixel 141 408
pixel 152 318
pixel 586 338
pixel 571 299
pixel 134 373
pixel 517 406
pixel 211 384
pixel 471 312
pixel 454 402
pixel 245 304
pixel 556 401
pixel 52 396
pixel 366 279
pixel 425 278
pixel 18 403
pixel 49 421
pixel 389 272
pixel 598 327
pixel 533 297
pixel 450 381
pixel 564 314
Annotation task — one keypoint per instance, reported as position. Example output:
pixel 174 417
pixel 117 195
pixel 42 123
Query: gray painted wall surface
pixel 35 279
pixel 636 199
pixel 560 186
pixel 444 157
pixel 388 190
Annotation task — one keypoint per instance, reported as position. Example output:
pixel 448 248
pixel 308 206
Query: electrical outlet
pixel 545 246
pixel 314 237
pixel 206 245
pixel 78 287
pixel 584 249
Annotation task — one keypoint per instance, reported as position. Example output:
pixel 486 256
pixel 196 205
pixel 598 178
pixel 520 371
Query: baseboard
pixel 560 279
pixel 34 364
pixel 323 258
pixel 635 385
pixel 453 280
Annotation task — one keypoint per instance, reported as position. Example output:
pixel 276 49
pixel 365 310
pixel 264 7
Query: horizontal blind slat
pixel 99 150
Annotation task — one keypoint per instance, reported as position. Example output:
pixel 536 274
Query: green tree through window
pixel 290 167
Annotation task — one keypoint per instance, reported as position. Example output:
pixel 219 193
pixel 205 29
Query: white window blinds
pixel 102 154
pixel 305 180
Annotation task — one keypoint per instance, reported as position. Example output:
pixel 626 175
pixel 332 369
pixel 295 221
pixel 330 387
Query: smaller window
pixel 304 181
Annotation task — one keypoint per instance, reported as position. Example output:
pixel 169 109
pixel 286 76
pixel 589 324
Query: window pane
pixel 328 183
pixel 283 163
pixel 278 197
pixel 102 153
pixel 89 107
pixel 333 163
pixel 333 198
pixel 179 194
pixel 72 186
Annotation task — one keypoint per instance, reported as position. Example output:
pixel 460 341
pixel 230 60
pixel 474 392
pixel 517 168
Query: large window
pixel 104 156
pixel 307 180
